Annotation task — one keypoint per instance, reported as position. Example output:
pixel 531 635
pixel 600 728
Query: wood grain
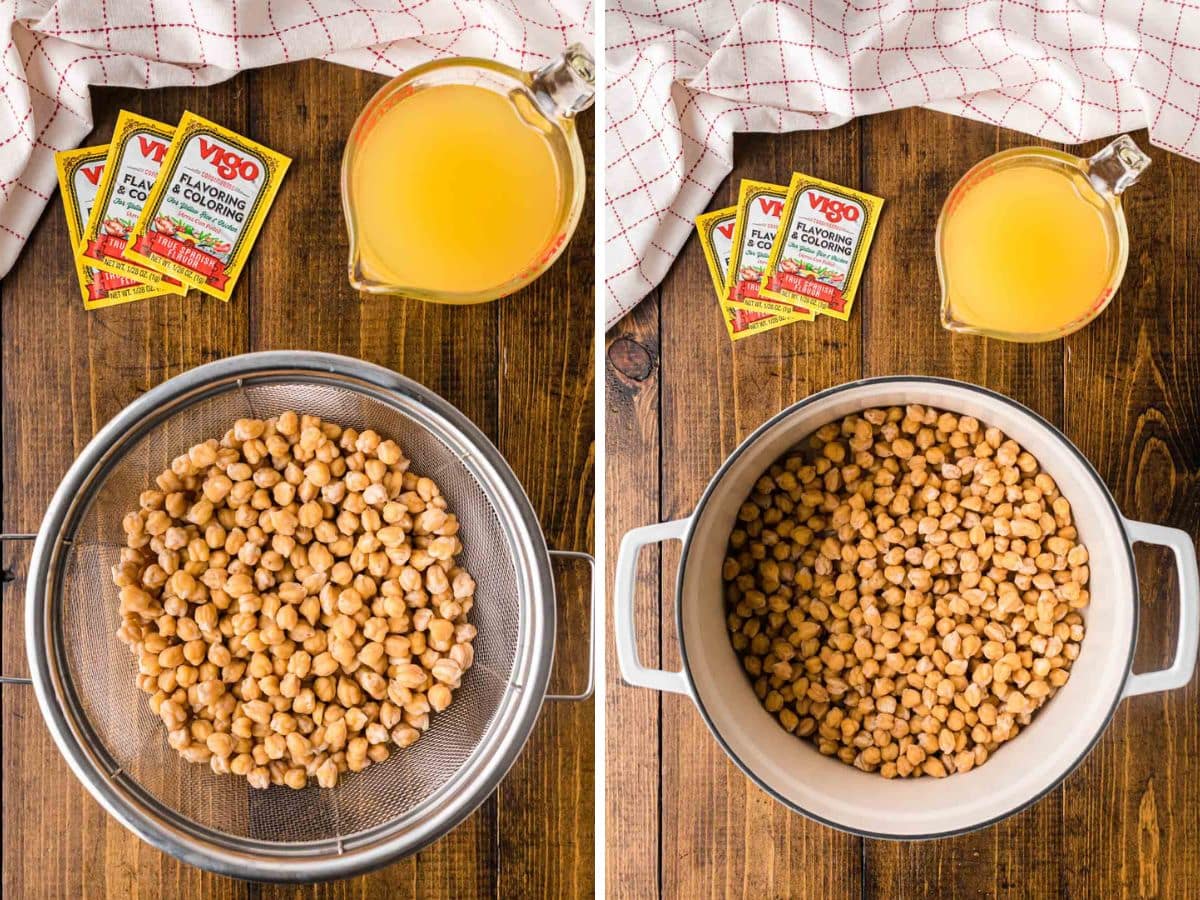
pixel 65 372
pixel 632 723
pixel 1131 814
pixel 546 821
pixel 1126 390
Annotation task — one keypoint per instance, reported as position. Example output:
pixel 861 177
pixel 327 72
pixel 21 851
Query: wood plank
pixel 298 295
pixel 303 300
pixel 1133 407
pixel 721 835
pixel 65 373
pixel 546 822
pixel 912 159
pixel 632 761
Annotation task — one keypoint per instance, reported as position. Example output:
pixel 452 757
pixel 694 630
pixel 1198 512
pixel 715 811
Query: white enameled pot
pixel 827 790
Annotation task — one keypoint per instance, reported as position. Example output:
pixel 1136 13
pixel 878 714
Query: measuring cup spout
pixel 946 311
pixel 949 322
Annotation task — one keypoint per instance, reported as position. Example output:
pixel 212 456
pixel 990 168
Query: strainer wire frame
pixel 244 857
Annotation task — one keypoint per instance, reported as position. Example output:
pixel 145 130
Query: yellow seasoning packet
pixel 716 240
pixel 79 174
pixel 821 248
pixel 134 155
pixel 759 207
pixel 207 207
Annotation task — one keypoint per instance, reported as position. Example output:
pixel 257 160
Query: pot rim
pixel 711 488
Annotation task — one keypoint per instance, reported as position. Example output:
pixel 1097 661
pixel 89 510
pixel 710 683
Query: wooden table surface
pixel 682 821
pixel 521 369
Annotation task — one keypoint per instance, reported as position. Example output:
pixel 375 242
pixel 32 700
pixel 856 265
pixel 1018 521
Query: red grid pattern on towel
pixel 53 51
pixel 685 75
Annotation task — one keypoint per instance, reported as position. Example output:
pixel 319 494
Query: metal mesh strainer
pixel 85 679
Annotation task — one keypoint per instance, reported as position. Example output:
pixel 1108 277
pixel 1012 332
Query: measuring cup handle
pixel 567 85
pixel 1180 672
pixel 593 588
pixel 624 592
pixel 16 679
pixel 1117 166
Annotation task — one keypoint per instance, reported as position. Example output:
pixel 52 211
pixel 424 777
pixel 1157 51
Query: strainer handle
pixel 16 679
pixel 1180 673
pixel 624 592
pixel 592 589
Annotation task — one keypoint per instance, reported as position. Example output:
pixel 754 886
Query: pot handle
pixel 624 591
pixel 1180 673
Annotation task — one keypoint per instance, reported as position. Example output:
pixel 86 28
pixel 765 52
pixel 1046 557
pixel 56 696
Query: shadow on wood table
pixel 682 821
pixel 520 368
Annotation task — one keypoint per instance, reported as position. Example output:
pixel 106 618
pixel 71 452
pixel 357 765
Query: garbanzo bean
pixel 271 611
pixel 904 590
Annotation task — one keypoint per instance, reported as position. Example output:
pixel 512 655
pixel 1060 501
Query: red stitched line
pixel 271 20
pixel 324 27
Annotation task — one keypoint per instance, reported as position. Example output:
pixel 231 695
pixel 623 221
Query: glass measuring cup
pixel 1092 188
pixel 544 104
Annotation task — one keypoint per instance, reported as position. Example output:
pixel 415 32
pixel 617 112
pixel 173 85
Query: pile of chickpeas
pixel 904 590
pixel 291 597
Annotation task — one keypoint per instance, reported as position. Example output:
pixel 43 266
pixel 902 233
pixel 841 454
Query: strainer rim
pixel 218 851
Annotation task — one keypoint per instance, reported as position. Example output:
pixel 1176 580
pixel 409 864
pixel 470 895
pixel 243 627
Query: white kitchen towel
pixel 55 50
pixel 683 77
